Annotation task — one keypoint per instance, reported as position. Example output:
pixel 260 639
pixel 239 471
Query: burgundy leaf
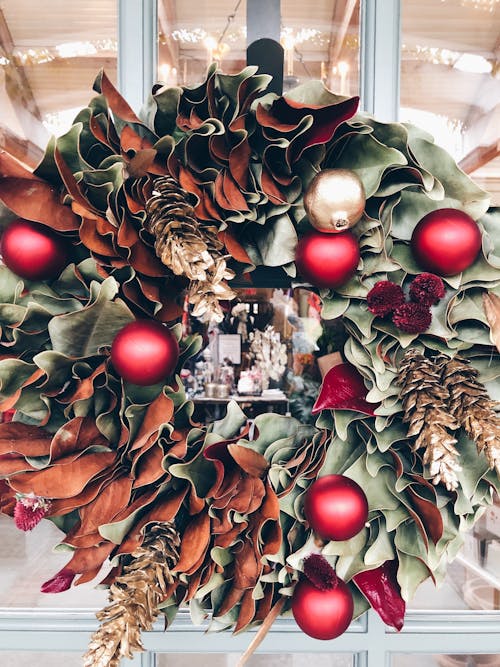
pixel 59 583
pixel 343 389
pixel 380 587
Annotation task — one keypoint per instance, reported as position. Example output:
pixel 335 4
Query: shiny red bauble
pixel 327 260
pixel 322 614
pixel 33 251
pixel 446 241
pixel 336 507
pixel 144 352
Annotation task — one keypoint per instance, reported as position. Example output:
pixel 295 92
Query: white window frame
pixel 370 641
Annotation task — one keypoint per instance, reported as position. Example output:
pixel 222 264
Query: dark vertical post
pixel 263 36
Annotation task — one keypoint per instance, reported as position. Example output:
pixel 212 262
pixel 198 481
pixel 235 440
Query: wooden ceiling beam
pixel 343 11
pixel 19 89
pixel 479 157
pixel 23 150
pixel 168 47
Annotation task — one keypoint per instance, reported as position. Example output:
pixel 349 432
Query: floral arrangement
pixel 141 213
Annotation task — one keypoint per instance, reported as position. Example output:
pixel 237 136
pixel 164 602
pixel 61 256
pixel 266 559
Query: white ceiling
pixel 431 28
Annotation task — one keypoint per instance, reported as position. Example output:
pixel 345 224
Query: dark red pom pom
pixel 319 572
pixel 427 289
pixel 29 511
pixel 384 297
pixel 412 317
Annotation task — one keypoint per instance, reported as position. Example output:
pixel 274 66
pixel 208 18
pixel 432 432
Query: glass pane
pixel 473 580
pixel 50 54
pixel 257 660
pixel 420 660
pixel 450 82
pixel 27 560
pixel 28 659
pixel 321 41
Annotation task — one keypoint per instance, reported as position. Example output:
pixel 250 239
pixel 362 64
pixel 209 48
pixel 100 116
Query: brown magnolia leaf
pixel 162 511
pixel 9 402
pixel 10 166
pixel 61 506
pixel 71 184
pixel 63 481
pixel 90 559
pixel 231 599
pixel 37 201
pixel 84 386
pixel 159 412
pixel 249 460
pixel 195 541
pixel 141 163
pixel 247 566
pixel 246 613
pixel 111 500
pixel 491 305
pixel 75 436
pixel 117 104
pixel 16 438
pixel 234 248
pixel 429 514
pixel 148 469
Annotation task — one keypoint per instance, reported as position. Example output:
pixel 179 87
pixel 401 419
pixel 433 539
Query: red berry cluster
pixel 387 298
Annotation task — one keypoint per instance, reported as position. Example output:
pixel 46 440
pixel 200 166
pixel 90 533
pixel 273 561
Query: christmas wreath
pixel 125 218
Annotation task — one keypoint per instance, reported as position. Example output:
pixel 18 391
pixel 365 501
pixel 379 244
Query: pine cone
pixel 179 241
pixel 473 408
pixel 134 598
pixel 205 295
pixel 425 408
pixel 189 248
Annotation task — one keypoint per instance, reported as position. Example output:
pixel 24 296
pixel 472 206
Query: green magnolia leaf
pixel 458 186
pixel 84 333
pixel 369 158
pixel 272 244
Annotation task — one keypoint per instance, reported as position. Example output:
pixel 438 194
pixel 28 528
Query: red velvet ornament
pixel 446 241
pixel 322 614
pixel 33 251
pixel 336 507
pixel 327 260
pixel 144 352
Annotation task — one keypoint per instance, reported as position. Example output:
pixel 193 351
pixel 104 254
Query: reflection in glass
pixel 457 660
pixel 321 41
pixel 45 659
pixel 50 54
pixel 269 353
pixel 257 660
pixel 27 560
pixel 449 81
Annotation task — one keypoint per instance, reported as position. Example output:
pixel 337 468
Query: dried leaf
pixel 37 201
pixel 491 305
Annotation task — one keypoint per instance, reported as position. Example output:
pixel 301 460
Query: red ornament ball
pixel 322 614
pixel 446 241
pixel 33 251
pixel 144 352
pixel 327 260
pixel 336 507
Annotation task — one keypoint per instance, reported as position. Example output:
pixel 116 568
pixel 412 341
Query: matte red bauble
pixel 336 507
pixel 446 241
pixel 327 260
pixel 322 614
pixel 33 251
pixel 144 352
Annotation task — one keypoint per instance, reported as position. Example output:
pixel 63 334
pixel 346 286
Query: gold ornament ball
pixel 335 200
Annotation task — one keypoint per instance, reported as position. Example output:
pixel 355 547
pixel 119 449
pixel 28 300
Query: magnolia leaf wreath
pixel 207 183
